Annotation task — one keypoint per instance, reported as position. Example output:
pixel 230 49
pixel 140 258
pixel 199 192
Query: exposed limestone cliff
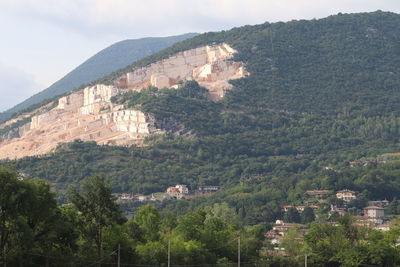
pixel 89 114
pixel 208 65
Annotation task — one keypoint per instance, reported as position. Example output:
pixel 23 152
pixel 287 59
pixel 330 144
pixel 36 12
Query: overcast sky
pixel 42 40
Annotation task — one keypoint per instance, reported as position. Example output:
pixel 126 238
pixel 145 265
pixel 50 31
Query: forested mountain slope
pixel 320 93
pixel 104 62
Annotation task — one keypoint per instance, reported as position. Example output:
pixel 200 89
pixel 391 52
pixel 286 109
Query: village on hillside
pixel 326 206
pixel 177 192
pixel 323 206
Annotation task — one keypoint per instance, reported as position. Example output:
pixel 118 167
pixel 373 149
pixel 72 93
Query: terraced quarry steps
pixel 90 115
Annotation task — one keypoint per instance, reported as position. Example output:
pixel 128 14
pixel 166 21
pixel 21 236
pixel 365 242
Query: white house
pixel 346 195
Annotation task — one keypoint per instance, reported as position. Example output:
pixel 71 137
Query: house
pixel 273 237
pixel 126 197
pixel 386 226
pixel 298 208
pixel 286 207
pixel 279 230
pixel 141 198
pixel 383 227
pixel 362 221
pixel 337 210
pixel 356 163
pixel 177 191
pixel 173 192
pixel 378 203
pixel 182 189
pixel 282 228
pixel 205 189
pixel 346 195
pixel 374 214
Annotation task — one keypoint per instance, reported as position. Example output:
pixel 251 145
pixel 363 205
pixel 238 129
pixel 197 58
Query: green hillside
pixel 320 93
pixel 103 63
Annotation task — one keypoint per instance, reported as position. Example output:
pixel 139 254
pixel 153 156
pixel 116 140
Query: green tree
pixel 293 243
pixel 13 205
pixel 191 225
pixel 225 213
pixel 292 216
pixel 31 222
pixel 53 232
pixel 148 220
pixel 152 253
pixel 97 208
pixel 394 207
pixel 307 216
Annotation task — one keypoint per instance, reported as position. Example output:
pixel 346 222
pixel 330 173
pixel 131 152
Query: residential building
pixel 363 221
pixel 346 195
pixel 298 208
pixel 386 226
pixel 279 230
pixel 126 197
pixel 335 209
pixel 177 191
pixel 378 203
pixel 141 198
pixel 374 214
pixel 286 207
pixel 173 192
pixel 182 189
pixel 205 189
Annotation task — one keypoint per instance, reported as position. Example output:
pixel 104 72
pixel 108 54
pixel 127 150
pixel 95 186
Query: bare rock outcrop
pixel 208 65
pixel 90 115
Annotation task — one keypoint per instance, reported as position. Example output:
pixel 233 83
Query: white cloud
pixel 108 17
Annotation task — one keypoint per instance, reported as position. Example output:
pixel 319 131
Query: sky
pixel 42 40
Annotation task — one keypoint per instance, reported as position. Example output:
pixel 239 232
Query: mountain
pixel 104 62
pixel 311 97
pixel 90 114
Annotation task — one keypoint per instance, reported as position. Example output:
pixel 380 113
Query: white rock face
pixel 89 114
pixel 70 102
pixel 208 65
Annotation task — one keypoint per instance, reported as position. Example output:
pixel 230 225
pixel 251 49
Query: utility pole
pixel 169 252
pixel 305 260
pixel 119 255
pixel 239 251
pixel 5 257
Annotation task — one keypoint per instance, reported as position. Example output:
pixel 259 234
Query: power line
pixel 118 252
pixel 91 262
pixel 101 260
